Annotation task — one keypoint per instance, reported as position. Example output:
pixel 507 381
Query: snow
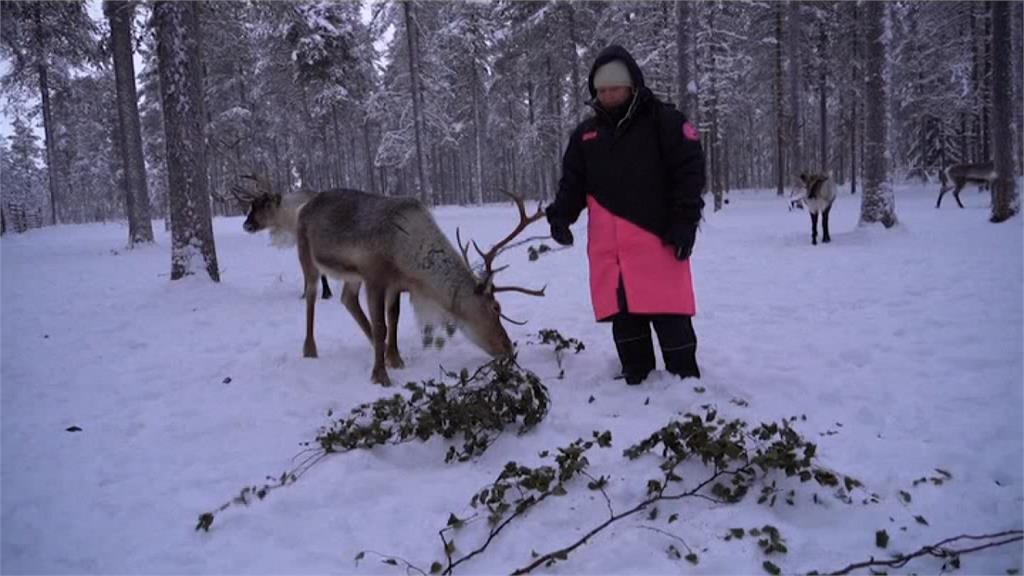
pixel 902 347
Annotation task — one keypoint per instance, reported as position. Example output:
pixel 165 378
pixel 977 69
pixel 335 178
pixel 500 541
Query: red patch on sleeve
pixel 690 132
pixel 592 135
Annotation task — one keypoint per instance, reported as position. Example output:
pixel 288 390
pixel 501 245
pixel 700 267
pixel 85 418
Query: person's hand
pixel 682 238
pixel 560 233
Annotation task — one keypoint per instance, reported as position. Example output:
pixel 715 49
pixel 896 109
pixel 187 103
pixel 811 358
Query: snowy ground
pixel 902 347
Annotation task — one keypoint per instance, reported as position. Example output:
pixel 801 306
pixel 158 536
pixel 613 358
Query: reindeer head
pixel 812 183
pixel 262 202
pixel 479 314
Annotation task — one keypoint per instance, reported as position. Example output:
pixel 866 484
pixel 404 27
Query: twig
pixel 394 560
pixel 490 537
pixel 607 500
pixel 565 551
pixel 667 533
pixel 939 552
pixel 562 553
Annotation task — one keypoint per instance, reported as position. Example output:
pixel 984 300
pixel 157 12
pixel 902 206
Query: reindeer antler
pixel 463 249
pixel 260 187
pixel 489 256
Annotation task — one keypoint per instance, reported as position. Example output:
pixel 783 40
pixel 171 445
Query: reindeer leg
pixel 825 238
pixel 350 298
pixel 814 228
pixel 956 195
pixel 392 357
pixel 309 273
pixel 375 299
pixel 942 191
pixel 326 288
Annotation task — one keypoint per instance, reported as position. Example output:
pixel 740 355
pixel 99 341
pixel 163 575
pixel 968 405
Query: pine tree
pixel 877 203
pixel 1005 200
pixel 43 39
pixel 181 82
pixel 23 198
pixel 140 227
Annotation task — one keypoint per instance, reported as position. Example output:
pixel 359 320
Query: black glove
pixel 560 233
pixel 682 237
pixel 559 228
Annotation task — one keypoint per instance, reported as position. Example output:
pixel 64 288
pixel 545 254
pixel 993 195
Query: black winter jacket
pixel 644 169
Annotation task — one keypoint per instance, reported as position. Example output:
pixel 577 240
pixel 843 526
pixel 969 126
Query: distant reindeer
pixel 393 245
pixel 275 213
pixel 819 194
pixel 983 173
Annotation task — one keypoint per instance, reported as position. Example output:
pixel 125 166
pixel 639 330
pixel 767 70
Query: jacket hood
pixel 616 52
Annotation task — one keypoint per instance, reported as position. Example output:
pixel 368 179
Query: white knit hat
pixel 613 73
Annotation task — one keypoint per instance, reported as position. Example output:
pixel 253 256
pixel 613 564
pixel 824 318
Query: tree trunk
pixel 780 115
pixel 1017 51
pixel 683 71
pixel 553 131
pixel 140 226
pixel 986 86
pixel 1004 193
pixel 181 82
pixel 423 184
pixel 877 202
pixel 823 99
pixel 478 129
pixel 579 91
pixel 53 171
pixel 370 172
pixel 855 80
pixel 797 162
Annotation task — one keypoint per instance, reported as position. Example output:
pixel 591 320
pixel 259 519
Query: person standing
pixel 637 166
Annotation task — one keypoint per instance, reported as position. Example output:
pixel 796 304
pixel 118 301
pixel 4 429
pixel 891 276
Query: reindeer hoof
pixel 826 240
pixel 380 376
pixel 309 350
pixel 395 361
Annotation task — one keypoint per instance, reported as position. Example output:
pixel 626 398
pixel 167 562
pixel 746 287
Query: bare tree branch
pixel 939 551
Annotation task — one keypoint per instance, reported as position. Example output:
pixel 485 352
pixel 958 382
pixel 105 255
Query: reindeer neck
pixel 815 188
pixel 432 265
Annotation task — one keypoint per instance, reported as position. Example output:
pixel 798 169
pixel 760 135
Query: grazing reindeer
pixel 961 174
pixel 394 245
pixel 273 212
pixel 819 194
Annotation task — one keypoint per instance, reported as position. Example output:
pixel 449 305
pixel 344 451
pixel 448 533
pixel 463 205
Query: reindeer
pixel 393 245
pixel 983 173
pixel 819 194
pixel 275 213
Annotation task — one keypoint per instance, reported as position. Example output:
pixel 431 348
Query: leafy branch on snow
pixel 518 489
pixel 552 336
pixel 475 408
pixel 946 549
pixel 731 469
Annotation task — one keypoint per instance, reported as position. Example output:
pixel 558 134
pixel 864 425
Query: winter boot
pixel 633 343
pixel 678 344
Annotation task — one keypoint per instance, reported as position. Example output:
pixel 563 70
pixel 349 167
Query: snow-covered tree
pixel 21 178
pixel 877 202
pixel 181 87
pixel 43 40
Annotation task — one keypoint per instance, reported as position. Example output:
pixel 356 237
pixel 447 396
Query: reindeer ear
pixel 485 286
